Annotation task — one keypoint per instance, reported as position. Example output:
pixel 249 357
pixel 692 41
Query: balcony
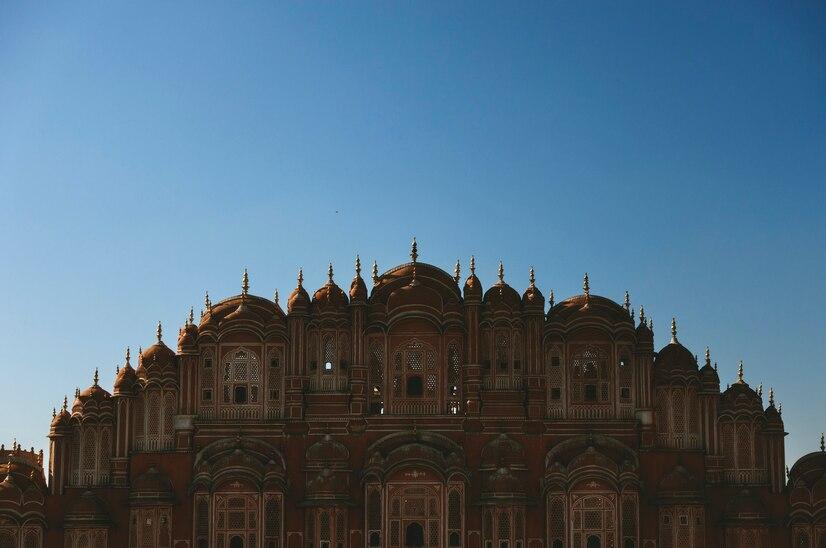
pixel 328 384
pixel 415 408
pixel 164 443
pixel 89 479
pixel 502 383
pixel 749 476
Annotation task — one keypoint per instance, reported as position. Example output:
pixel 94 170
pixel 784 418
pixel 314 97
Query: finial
pixel 207 302
pixel 358 266
pixel 191 315
pixel 708 357
pixel 245 283
pixel 300 277
pixel 651 324
pixel 715 367
pixel 627 303
pixel 96 377
pixel 54 412
pixel 275 297
pixel 760 389
pixel 780 408
pixel 787 471
pixel 457 271
pixel 375 273
pixel 65 402
pixel 472 265
pixel 771 397
pixel 551 299
pixel 740 373
pixel 673 330
pixel 330 273
pixel 532 277
pixel 632 315
pixel 642 315
pixel 822 442
pixel 117 370
pixel 128 355
pixel 586 286
pixel 414 250
pixel 501 273
pixel 77 391
pixel 159 331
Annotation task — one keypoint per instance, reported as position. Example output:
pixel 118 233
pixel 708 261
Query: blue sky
pixel 150 153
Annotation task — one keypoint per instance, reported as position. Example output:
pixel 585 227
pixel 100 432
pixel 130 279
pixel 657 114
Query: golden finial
pixel 501 273
pixel 358 266
pixel 77 391
pixel 472 265
pixel 300 277
pixel 457 271
pixel 414 250
pixel 330 273
pixel 96 377
pixel 627 303
pixel 780 408
pixel 375 273
pixel 245 283
pixel 65 403
pixel 771 397
pixel 642 315
pixel 275 298
pixel 586 286
pixel 117 370
pixel 822 442
pixel 207 302
pixel 159 331
pixel 191 315
pixel 651 324
pixel 551 299
pixel 532 277
pixel 128 355
pixel 740 373
pixel 673 330
pixel 760 389
pixel 633 315
pixel 708 357
pixel 54 412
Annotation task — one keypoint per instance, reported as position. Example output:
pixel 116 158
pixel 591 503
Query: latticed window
pixel 454 378
pixel 326 528
pixel 682 527
pixel 593 515
pixel 202 518
pixel 328 361
pixel 677 411
pixel 86 538
pixel 273 517
pixel 744 447
pixel 91 454
pixel 629 518
pixel 154 420
pixel 328 357
pixel 275 375
pixel 207 380
pixel 454 517
pixel 555 373
pixel 374 516
pixel 505 527
pixel 376 377
pixel 414 516
pixel 590 378
pixel 242 378
pixel 415 378
pixel 236 520
pixel 556 519
pixel 727 443
pixel 151 527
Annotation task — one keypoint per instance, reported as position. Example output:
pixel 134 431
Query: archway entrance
pixel 414 535
pixel 237 519
pixel 593 523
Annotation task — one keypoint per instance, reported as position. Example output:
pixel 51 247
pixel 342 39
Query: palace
pixel 424 412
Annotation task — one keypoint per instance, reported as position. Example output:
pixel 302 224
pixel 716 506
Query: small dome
pixel 242 312
pixel 125 380
pixel 589 306
pixel 298 300
pixel 61 420
pixel 86 510
pixel 533 298
pixel 358 290
pixel 675 357
pixel 95 393
pixel 329 297
pixel 501 295
pixel 473 288
pixel 188 337
pixel 741 397
pixel 158 353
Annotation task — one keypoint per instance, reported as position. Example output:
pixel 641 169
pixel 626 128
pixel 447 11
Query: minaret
pixel 358 369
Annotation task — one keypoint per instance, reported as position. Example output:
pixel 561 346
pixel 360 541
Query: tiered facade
pixel 422 413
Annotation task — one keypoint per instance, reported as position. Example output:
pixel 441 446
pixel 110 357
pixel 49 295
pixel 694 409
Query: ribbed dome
pixel 329 297
pixel 298 300
pixel 158 354
pixel 675 356
pixel 358 289
pixel 533 298
pixel 501 295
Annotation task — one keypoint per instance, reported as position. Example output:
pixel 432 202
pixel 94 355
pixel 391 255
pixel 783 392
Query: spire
pixel 457 271
pixel 472 265
pixel 642 315
pixel 708 357
pixel 787 471
pixel 780 408
pixel 159 331
pixel 673 330
pixel 822 442
pixel 275 298
pixel 414 250
pixel 771 397
pixel 651 324
pixel 551 299
pixel 191 315
pixel 54 412
pixel 632 314
pixel 501 273
pixel 300 277
pixel 128 355
pixel 375 273
pixel 207 302
pixel 586 286
pixel 65 403
pixel 760 390
pixel 96 378
pixel 532 278
pixel 245 284
pixel 77 392
pixel 330 273
pixel 740 373
pixel 358 266
pixel 627 303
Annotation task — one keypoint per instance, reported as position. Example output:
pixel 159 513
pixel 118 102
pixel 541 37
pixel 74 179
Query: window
pixel 556 393
pixel 275 362
pixel 206 396
pixel 240 395
pixel 414 386
pixel 208 363
pixel 590 392
pixel 625 393
pixel 555 361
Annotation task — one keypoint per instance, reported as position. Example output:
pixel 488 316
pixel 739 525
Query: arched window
pixel 556 519
pixel 590 378
pixel 414 388
pixel 376 377
pixel 275 374
pixel 415 379
pixel 454 379
pixel 329 357
pixel 242 378
pixel 154 419
pixel 454 517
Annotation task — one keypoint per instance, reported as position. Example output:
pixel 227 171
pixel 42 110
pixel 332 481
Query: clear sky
pixel 150 153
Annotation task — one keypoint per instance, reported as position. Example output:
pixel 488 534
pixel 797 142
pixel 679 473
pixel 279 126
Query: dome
pixel 61 420
pixel 675 356
pixel 188 335
pixel 739 397
pixel 329 297
pixel 533 298
pixel 588 306
pixel 125 380
pixel 809 468
pixel 242 312
pixel 158 353
pixel 151 487
pixel 86 510
pixel 745 506
pixel 298 300
pixel 473 288
pixel 501 295
pixel 358 290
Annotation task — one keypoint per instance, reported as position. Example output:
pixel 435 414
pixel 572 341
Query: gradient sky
pixel 150 153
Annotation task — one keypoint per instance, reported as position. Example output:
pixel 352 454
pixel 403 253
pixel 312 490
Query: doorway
pixel 238 542
pixel 414 535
